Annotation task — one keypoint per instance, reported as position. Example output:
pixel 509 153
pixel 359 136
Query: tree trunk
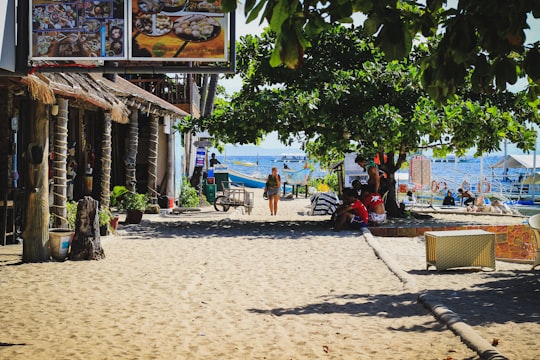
pixel 169 181
pixel 86 243
pixel 132 148
pixel 391 204
pixel 106 150
pixel 36 230
pixel 389 166
pixel 204 93
pixel 152 160
pixel 59 166
pixel 212 88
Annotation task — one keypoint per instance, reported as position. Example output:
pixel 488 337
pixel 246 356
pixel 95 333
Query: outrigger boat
pixel 292 157
pixel 250 181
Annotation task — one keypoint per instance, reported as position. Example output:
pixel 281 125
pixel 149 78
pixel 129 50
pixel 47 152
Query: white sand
pixel 209 285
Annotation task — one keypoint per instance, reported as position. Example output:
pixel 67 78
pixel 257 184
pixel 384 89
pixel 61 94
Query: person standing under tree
pixel 273 185
pixel 213 160
pixel 372 170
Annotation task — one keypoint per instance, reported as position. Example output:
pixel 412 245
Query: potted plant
pixel 134 204
pixel 105 218
pixel 117 195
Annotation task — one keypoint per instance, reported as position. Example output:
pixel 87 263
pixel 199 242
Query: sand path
pixel 208 285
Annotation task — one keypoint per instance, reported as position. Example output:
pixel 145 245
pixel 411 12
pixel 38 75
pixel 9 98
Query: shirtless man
pixel 372 170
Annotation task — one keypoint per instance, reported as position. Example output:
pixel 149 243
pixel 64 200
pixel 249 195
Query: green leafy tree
pixel 347 97
pixel 487 36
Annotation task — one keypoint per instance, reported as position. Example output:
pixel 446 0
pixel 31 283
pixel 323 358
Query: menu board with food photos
pixel 181 30
pixel 78 29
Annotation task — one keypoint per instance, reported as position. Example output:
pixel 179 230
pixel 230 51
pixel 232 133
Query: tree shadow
pixel 226 228
pixel 509 296
pixel 363 305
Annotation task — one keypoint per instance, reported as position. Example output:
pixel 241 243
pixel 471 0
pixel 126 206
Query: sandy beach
pixel 214 285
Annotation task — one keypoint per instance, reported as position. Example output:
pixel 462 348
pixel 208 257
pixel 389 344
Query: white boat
pixel 292 157
pixel 525 187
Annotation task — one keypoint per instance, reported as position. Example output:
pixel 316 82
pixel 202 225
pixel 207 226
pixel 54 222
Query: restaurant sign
pixel 140 30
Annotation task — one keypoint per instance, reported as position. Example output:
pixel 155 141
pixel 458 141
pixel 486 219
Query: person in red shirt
pixel 352 213
pixel 374 204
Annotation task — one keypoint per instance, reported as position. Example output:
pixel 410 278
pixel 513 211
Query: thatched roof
pixel 139 98
pixel 46 86
pixel 116 96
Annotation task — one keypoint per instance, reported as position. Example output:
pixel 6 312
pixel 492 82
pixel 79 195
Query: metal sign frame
pixel 118 65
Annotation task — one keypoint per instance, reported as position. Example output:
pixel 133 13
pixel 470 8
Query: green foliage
pixel 105 216
pixel 134 201
pixel 461 38
pixel 117 195
pixel 330 179
pixel 189 196
pixel 347 98
pixel 152 209
pixel 71 214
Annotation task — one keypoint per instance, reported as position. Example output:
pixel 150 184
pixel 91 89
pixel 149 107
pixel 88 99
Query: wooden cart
pixel 234 195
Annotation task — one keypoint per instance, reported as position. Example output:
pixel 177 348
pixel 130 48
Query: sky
pixel 232 85
pixel 271 141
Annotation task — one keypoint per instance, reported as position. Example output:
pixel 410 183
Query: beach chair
pixel 534 223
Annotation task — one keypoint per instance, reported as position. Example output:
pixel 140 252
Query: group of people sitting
pixel 362 206
pixel 477 204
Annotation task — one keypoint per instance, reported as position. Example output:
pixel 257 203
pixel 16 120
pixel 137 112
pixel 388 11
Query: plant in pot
pixel 134 204
pixel 117 196
pixel 105 218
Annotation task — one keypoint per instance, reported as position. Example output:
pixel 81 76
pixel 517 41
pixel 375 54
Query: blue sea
pixel 450 174
pixel 261 166
pixel 450 171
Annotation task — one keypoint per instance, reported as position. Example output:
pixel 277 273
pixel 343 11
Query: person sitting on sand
pixel 374 204
pixel 498 207
pixel 352 213
pixel 466 197
pixel 357 185
pixel 409 199
pixel 449 199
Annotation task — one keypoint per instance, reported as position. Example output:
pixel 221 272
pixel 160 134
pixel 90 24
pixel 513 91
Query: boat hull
pixel 247 180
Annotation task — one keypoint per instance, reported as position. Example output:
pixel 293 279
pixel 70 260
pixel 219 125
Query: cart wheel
pixel 220 204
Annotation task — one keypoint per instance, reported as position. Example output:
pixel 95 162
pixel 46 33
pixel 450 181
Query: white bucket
pixel 59 241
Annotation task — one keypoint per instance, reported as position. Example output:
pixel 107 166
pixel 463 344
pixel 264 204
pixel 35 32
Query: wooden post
pixel 86 243
pixel 106 150
pixel 132 149
pixel 36 230
pixel 59 166
pixel 152 160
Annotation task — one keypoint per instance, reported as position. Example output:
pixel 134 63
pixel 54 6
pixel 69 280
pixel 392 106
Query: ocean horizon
pixel 447 174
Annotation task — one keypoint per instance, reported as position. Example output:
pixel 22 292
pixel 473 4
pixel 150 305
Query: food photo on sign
pixel 178 29
pixel 78 29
